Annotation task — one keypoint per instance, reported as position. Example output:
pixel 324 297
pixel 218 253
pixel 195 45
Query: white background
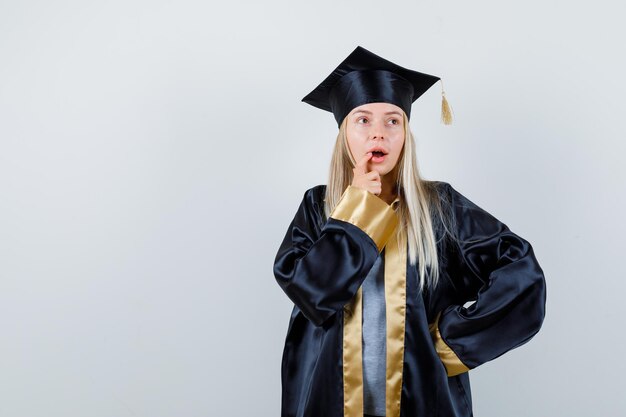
pixel 152 155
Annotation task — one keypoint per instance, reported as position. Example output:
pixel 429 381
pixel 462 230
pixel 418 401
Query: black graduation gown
pixel 432 339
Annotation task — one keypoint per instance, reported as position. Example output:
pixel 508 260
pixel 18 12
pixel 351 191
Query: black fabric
pixel 364 77
pixel 322 270
pixel 320 265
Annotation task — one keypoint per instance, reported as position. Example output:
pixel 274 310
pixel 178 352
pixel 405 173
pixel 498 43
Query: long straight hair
pixel 420 211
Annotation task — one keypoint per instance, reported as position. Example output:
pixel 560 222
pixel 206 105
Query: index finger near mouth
pixel 362 164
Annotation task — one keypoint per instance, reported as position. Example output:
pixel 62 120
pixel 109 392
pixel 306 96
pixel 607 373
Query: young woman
pixel 382 265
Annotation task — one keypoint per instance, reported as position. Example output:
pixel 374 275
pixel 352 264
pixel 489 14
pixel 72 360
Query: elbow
pixel 311 307
pixel 315 318
pixel 307 302
pixel 542 301
pixel 536 291
pixel 313 313
pixel 537 303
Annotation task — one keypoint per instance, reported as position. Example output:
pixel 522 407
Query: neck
pixel 389 189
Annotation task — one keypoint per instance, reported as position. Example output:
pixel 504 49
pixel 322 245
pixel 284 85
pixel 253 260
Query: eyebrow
pixel 369 112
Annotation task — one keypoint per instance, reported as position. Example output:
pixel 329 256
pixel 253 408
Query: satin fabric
pixel 364 77
pixel 370 86
pixel 379 220
pixel 321 264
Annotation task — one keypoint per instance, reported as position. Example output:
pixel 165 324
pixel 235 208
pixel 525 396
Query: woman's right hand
pixel 369 181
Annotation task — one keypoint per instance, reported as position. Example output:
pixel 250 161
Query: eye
pixel 361 118
pixel 395 121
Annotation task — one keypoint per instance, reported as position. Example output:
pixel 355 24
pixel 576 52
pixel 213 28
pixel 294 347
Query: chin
pixel 382 170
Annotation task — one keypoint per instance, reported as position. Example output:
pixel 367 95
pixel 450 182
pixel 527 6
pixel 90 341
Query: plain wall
pixel 153 153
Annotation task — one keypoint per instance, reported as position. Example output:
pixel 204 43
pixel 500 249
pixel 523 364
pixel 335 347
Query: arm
pixel 321 271
pixel 510 301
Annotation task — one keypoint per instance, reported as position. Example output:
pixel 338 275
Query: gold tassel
pixel 446 111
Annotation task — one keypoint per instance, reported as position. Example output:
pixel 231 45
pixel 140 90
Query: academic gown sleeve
pixel 320 266
pixel 498 270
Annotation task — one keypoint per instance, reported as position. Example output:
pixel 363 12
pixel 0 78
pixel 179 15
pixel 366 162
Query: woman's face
pixel 376 126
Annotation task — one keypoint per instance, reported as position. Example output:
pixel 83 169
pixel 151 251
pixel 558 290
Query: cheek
pixel 356 144
pixel 396 147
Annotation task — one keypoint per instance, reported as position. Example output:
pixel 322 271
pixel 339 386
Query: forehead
pixel 377 108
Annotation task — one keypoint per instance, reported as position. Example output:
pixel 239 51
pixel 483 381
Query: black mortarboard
pixel 364 77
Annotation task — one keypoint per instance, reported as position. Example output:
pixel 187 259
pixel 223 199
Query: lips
pixel 378 151
pixel 378 159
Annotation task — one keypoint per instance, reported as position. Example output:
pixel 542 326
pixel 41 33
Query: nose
pixel 376 131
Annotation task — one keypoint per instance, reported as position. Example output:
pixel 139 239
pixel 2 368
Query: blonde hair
pixel 420 210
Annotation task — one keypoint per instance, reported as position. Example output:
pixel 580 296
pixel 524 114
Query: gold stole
pixel 395 302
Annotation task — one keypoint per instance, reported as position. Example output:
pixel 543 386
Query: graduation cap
pixel 364 77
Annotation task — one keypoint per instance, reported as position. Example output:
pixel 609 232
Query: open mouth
pixel 378 157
